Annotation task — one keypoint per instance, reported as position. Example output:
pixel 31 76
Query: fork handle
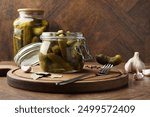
pixel 82 77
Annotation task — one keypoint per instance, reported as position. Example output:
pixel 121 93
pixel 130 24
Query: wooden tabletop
pixel 135 90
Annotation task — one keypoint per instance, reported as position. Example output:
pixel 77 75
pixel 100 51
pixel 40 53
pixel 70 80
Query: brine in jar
pixel 28 28
pixel 62 52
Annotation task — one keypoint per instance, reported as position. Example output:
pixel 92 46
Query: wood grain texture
pixel 136 90
pixel 89 83
pixel 110 26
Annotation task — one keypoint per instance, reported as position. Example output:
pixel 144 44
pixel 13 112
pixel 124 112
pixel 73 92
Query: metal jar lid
pixel 31 11
pixel 28 55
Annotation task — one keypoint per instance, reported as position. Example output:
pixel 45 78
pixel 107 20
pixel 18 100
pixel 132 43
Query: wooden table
pixel 135 90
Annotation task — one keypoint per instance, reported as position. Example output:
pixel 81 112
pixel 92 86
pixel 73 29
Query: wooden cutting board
pixel 114 80
pixel 5 68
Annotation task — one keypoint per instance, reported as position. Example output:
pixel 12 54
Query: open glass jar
pixel 28 28
pixel 63 53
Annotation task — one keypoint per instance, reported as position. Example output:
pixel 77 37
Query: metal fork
pixel 104 69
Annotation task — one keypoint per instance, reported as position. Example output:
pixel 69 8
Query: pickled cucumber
pixel 103 59
pixel 116 60
pixel 44 61
pixel 49 66
pixel 17 44
pixel 75 51
pixel 27 35
pixel 39 26
pixel 38 30
pixel 71 42
pixel 63 45
pixel 45 23
pixel 77 60
pixel 17 40
pixel 64 54
pixel 60 32
pixel 56 49
pixel 27 32
pixel 23 24
pixel 57 59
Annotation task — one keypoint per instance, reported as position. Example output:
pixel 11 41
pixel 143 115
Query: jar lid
pixel 31 10
pixel 28 55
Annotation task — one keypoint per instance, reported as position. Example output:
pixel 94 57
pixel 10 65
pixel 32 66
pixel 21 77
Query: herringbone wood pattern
pixel 110 26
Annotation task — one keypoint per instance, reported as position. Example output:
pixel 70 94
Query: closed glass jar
pixel 62 53
pixel 28 28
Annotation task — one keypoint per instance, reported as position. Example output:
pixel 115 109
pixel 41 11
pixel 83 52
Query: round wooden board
pixel 114 80
pixel 5 68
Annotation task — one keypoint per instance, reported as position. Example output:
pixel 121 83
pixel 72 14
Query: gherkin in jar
pixel 28 28
pixel 61 52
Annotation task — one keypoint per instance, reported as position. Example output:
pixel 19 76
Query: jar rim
pixel 31 10
pixel 57 37
pixel 53 36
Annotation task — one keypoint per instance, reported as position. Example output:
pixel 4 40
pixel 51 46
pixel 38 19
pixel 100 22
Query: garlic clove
pixel 146 72
pixel 26 69
pixel 138 76
pixel 128 66
pixel 56 76
pixel 138 65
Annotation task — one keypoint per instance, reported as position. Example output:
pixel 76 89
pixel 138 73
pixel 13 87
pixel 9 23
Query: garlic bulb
pixel 134 64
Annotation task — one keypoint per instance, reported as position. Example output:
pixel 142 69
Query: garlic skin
pixel 134 64
pixel 26 69
pixel 146 72
pixel 138 76
pixel 128 66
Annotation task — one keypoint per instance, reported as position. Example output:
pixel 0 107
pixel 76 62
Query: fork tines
pixel 105 69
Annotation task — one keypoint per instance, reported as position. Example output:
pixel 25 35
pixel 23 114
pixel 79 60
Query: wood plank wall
pixel 110 26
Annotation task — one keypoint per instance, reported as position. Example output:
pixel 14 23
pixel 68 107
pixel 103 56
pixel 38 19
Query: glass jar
pixel 63 53
pixel 28 28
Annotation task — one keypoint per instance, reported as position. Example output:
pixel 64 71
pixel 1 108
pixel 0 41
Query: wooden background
pixel 110 26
